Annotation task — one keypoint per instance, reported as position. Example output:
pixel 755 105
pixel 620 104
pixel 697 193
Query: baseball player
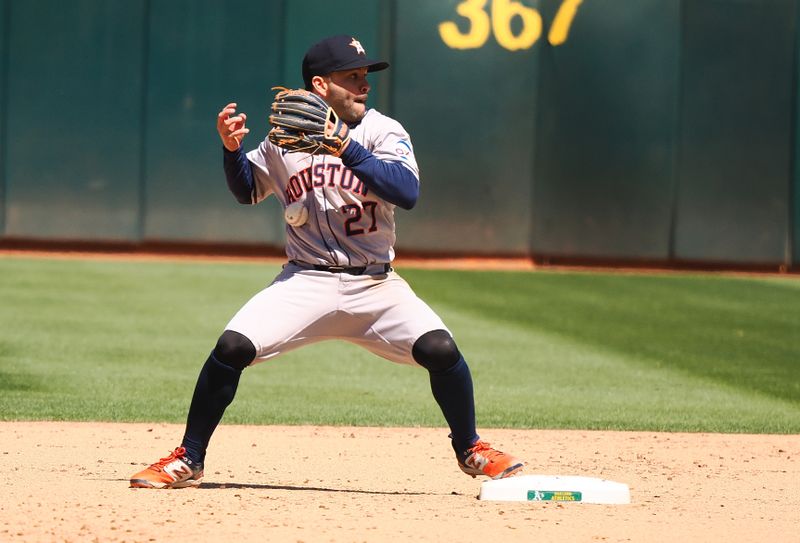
pixel 338 282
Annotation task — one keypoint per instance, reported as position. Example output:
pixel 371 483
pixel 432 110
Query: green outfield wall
pixel 605 153
pixel 794 193
pixel 735 138
pixel 197 63
pixel 655 130
pixel 3 81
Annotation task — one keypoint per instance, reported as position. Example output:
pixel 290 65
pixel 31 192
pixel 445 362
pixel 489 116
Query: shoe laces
pixel 485 449
pixel 177 453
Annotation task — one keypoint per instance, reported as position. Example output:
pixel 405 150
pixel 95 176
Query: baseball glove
pixel 302 122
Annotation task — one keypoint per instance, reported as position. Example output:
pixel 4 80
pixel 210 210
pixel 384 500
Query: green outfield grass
pixel 123 341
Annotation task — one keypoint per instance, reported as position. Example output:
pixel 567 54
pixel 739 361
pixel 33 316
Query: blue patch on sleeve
pixel 403 149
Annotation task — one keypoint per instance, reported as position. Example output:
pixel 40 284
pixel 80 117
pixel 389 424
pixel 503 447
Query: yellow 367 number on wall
pixel 498 22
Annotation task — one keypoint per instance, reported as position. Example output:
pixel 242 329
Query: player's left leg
pixel 402 328
pixel 451 384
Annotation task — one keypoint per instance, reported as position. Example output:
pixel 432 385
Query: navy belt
pixel 352 270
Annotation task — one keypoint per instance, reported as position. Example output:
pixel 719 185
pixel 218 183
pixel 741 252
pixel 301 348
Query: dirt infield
pixel 69 482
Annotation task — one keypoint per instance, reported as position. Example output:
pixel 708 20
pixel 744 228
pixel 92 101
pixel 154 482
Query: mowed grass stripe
pixel 94 340
pixel 737 330
pixel 558 382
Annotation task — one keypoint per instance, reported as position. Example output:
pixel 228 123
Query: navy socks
pixel 217 384
pixel 452 389
pixel 215 389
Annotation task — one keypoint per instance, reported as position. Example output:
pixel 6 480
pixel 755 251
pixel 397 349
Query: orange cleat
pixel 482 459
pixel 174 471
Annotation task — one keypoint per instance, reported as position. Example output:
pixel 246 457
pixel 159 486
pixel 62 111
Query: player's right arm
pixel 238 172
pixel 231 127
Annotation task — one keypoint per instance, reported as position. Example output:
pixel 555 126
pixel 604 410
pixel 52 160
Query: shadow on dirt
pixel 218 486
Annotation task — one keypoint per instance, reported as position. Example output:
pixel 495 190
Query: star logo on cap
pixel 357 44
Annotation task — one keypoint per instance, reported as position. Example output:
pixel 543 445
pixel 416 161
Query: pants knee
pixel 436 351
pixel 235 350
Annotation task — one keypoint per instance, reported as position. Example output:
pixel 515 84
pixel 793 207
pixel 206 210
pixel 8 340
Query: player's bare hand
pixel 231 127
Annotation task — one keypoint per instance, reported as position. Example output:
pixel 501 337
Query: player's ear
pixel 320 85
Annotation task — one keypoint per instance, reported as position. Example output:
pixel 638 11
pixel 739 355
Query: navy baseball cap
pixel 335 54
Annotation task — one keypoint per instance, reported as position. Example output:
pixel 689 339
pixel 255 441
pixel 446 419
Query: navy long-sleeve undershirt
pixel 390 180
pixel 239 175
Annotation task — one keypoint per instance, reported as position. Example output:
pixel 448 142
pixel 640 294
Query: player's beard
pixel 350 111
pixel 350 107
pixel 359 109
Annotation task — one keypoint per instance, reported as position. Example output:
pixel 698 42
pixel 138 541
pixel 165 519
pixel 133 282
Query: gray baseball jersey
pixel 348 225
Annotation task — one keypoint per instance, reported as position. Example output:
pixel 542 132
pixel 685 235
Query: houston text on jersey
pixel 321 175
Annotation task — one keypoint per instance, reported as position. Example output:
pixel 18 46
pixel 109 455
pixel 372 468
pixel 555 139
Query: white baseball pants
pixel 378 312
